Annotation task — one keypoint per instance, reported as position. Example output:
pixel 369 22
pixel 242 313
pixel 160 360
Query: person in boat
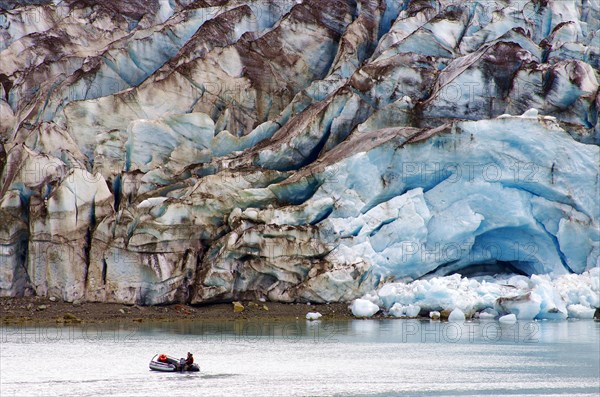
pixel 162 358
pixel 189 360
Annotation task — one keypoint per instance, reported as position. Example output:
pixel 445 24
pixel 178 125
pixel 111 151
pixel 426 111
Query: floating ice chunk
pixel 580 289
pixel 487 314
pixel 456 315
pixel 525 306
pixel 434 315
pixel 364 308
pixel 413 310
pixel 399 310
pixel 387 294
pixel 508 319
pixel 313 316
pixel 552 305
pixel 373 298
pixel 538 296
pixel 580 311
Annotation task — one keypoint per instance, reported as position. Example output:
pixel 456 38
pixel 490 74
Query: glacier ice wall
pixel 307 150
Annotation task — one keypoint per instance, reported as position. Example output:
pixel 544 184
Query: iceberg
pixel 508 319
pixel 580 311
pixel 397 310
pixel 524 298
pixel 312 316
pixel 363 308
pixel 456 315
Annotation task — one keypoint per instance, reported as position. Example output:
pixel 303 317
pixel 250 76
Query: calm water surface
pixel 357 357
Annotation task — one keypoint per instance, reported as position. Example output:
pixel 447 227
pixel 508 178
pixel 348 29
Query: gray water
pixel 357 357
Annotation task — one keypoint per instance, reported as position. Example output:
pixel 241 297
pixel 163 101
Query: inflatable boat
pixel 164 363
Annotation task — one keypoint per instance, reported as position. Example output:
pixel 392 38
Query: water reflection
pixel 379 331
pixel 356 331
pixel 365 328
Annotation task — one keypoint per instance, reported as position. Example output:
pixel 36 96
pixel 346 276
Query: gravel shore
pixel 42 310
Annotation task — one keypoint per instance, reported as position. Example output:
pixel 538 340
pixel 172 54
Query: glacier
pixel 411 157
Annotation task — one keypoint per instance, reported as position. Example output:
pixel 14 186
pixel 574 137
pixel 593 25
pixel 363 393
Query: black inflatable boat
pixel 164 363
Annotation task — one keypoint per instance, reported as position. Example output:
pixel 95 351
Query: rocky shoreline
pixel 44 311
